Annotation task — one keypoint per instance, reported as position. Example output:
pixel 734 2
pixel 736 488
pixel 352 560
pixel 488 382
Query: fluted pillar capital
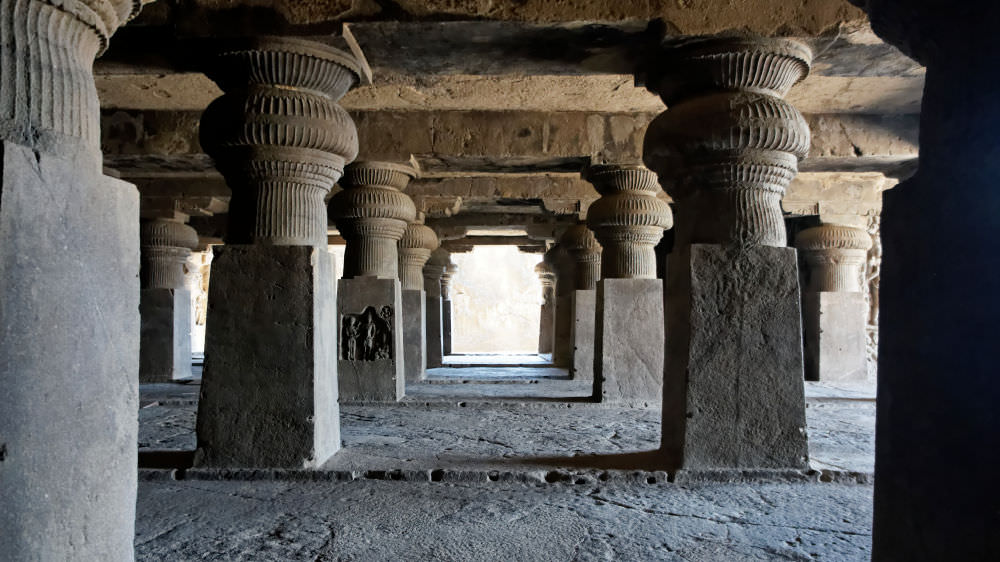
pixel 546 275
pixel 628 220
pixel 415 249
pixel 449 273
pixel 836 255
pixel 49 101
pixel 729 145
pixel 278 135
pixel 585 251
pixel 165 246
pixel 372 213
pixel 434 269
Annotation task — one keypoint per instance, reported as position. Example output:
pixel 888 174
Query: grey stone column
pixel 940 297
pixel 69 293
pixel 834 310
pixel 565 283
pixel 547 322
pixel 449 271
pixel 165 301
pixel 269 389
pixel 432 286
pixel 725 150
pixel 628 220
pixel 372 214
pixel 585 252
pixel 415 249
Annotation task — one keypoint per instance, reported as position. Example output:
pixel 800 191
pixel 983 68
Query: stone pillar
pixel 940 297
pixel 372 214
pixel 433 271
pixel 269 389
pixel 585 253
pixel 449 272
pixel 547 323
pixel 628 220
pixel 725 150
pixel 165 301
pixel 415 249
pixel 69 293
pixel 834 311
pixel 562 338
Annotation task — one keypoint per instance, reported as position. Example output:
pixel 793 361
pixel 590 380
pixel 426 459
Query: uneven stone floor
pixel 505 463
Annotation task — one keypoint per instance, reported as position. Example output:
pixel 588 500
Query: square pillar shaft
pixel 165 335
pixel 834 325
pixel 446 326
pixel 371 356
pixel 435 343
pixel 584 325
pixel 415 335
pixel 269 390
pixel 733 391
pixel 69 339
pixel 562 342
pixel 628 355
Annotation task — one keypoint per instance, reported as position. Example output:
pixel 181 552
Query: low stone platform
pixel 464 360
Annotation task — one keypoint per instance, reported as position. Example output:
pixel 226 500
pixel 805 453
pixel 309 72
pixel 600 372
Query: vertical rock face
pixel 415 249
pixel 372 214
pixel 166 246
pixel 278 135
pixel 586 253
pixel 729 145
pixel 69 300
pixel 836 256
pixel 628 220
pixel 48 49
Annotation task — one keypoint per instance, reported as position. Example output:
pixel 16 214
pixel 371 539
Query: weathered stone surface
pixel 370 327
pixel 584 331
pixel 446 339
pixel 433 271
pixel 562 338
pixel 414 335
pixel 269 388
pixel 69 339
pixel 629 341
pixel 732 393
pixel 165 335
pixel 547 321
pixel 833 328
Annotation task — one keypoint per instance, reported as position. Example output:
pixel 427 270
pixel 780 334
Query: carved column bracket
pixel 165 246
pixel 729 145
pixel 415 249
pixel 278 135
pixel 628 220
pixel 583 248
pixel 836 256
pixel 372 214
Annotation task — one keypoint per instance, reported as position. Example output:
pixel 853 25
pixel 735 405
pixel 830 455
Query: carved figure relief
pixel 367 336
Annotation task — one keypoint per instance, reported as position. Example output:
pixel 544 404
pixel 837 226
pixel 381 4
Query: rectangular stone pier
pixel 628 351
pixel 269 390
pixel 733 386
pixel 414 335
pixel 584 331
pixel 834 325
pixel 435 342
pixel 371 354
pixel 165 335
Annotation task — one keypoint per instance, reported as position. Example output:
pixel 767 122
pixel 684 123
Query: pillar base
pixel 435 342
pixel 269 390
pixel 69 339
pixel 835 340
pixel 628 351
pixel 733 391
pixel 371 355
pixel 584 327
pixel 165 335
pixel 414 335
pixel 562 341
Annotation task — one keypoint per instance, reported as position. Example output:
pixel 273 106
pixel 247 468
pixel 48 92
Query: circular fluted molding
pixel 451 268
pixel 544 268
pixel 419 236
pixel 104 17
pixel 380 174
pixel 440 258
pixel 833 237
pixel 162 232
pixel 610 178
pixel 580 239
pixel 765 65
pixel 628 198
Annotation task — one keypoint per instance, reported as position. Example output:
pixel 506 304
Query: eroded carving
pixel 367 336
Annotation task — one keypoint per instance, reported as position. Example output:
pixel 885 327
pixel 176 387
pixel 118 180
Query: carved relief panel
pixel 367 336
